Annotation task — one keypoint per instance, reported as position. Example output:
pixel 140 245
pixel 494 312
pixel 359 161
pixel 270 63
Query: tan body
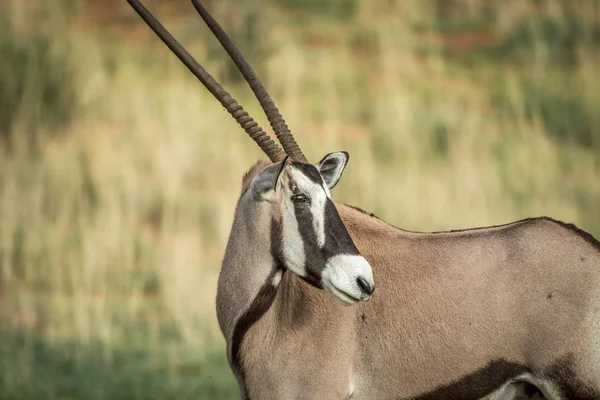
pixel 455 315
pixel 448 307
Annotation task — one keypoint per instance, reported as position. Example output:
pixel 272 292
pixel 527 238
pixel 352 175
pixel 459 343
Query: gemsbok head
pixel 496 313
pixel 307 234
pixel 309 237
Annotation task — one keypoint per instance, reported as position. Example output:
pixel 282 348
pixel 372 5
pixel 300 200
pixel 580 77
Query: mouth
pixel 344 297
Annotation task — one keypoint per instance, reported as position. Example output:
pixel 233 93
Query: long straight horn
pixel 275 119
pixel 271 149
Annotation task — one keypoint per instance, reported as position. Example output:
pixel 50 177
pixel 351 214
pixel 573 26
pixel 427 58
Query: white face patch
pixel 293 245
pixel 347 275
pixel 341 275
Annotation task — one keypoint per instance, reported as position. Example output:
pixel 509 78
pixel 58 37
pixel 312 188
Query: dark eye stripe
pixel 314 261
pixel 300 198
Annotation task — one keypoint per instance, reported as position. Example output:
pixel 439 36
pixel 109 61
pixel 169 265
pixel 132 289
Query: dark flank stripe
pixel 562 373
pixel 498 372
pixel 477 384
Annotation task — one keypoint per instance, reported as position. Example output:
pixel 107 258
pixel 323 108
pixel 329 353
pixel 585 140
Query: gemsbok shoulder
pixel 320 300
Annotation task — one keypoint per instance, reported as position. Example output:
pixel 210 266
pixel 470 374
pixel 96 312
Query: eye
pixel 300 198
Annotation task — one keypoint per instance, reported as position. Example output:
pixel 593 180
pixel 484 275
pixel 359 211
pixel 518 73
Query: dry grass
pixel 111 236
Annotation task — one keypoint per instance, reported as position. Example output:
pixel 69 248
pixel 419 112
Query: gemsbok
pixel 487 313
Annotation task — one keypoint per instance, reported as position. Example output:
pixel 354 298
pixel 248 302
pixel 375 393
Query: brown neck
pixel 297 301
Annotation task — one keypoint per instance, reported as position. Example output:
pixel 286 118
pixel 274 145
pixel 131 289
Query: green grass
pixel 112 231
pixel 33 367
pixel 38 90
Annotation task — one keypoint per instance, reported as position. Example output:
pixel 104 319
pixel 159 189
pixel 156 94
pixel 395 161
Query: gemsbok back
pixel 488 313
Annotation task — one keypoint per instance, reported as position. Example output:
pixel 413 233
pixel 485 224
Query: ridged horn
pixel 271 149
pixel 275 119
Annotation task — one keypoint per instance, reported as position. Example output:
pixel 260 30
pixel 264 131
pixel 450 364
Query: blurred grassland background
pixel 119 173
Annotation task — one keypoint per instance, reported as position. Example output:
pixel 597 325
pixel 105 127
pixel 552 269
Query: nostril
pixel 365 286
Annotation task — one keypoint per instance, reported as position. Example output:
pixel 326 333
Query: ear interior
pixel 332 166
pixel 267 179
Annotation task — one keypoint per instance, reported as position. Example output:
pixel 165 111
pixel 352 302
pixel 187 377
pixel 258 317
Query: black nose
pixel 365 286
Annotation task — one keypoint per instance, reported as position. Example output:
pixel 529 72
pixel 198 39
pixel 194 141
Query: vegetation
pixel 456 114
pixel 37 90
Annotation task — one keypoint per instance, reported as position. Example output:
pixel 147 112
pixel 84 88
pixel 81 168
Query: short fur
pixel 252 172
pixel 456 315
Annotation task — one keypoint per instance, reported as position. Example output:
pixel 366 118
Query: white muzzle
pixel 349 278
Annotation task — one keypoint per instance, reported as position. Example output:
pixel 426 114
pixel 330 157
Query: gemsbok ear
pixel 332 166
pixel 267 179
